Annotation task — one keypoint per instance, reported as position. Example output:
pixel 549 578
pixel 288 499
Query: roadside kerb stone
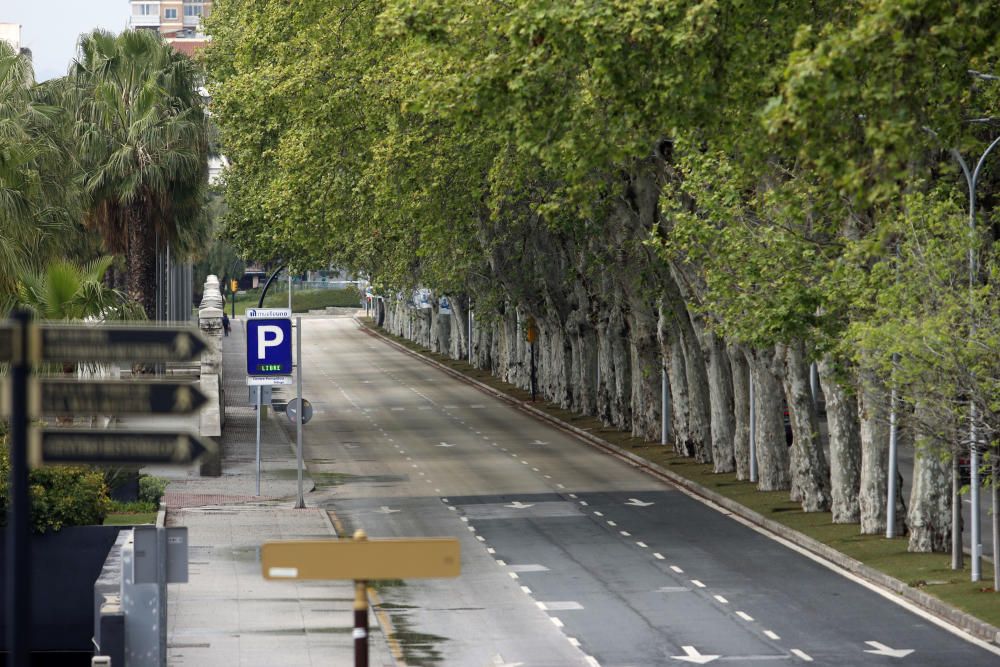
pixel 929 603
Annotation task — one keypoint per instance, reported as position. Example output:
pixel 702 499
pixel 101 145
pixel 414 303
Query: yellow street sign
pixel 234 285
pixel 361 559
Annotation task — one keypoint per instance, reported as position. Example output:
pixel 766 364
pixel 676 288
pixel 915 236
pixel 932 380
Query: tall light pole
pixel 972 180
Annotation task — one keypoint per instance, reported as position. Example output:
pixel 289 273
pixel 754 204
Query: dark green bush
pixel 60 496
pixel 151 490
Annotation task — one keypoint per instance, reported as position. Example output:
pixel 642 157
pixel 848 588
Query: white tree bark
pixel 929 517
pixel 740 373
pixel 845 445
pixel 670 347
pixel 720 387
pixel 772 452
pixel 874 419
pixel 809 471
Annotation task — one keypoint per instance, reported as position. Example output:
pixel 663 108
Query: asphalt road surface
pixel 570 556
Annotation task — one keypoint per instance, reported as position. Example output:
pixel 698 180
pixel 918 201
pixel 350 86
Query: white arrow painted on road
pixel 538 442
pixel 694 656
pixel 498 661
pixel 635 502
pixel 445 444
pixel 518 505
pixel 879 648
pixel 386 510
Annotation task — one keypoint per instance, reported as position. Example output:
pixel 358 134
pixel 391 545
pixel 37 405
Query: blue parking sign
pixel 269 346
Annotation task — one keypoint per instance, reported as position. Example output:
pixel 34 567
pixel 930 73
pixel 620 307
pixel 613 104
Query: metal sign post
pixel 258 441
pixel 18 603
pixel 300 502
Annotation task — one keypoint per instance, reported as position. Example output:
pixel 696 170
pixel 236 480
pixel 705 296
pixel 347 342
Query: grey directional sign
pixel 69 397
pixel 120 343
pixel 107 447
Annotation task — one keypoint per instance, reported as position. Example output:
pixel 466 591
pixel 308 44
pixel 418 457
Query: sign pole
pixel 360 613
pixel 18 603
pixel 259 393
pixel 300 503
pixel 360 624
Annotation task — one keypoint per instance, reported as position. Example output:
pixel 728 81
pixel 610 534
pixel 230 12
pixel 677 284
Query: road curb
pixel 932 605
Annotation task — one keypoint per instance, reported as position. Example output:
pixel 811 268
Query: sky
pixel 51 28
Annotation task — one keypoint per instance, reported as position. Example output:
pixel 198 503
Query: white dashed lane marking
pixel 745 616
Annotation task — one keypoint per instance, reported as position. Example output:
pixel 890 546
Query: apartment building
pixel 179 21
pixel 11 33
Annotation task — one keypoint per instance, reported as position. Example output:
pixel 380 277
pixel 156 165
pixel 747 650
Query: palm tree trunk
pixel 141 261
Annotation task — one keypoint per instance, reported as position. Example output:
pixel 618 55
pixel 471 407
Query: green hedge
pixel 60 496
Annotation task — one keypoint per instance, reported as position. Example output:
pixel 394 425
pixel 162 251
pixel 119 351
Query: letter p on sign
pixel 268 335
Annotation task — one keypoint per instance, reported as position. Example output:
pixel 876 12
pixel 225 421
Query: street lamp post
pixel 971 180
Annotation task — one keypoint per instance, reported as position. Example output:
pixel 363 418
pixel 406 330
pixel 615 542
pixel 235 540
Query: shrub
pixel 60 496
pixel 151 490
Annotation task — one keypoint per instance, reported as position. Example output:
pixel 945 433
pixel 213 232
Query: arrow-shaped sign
pixel 878 648
pixel 103 447
pixel 445 444
pixel 386 510
pixel 115 397
pixel 518 505
pixel 694 656
pixel 635 502
pixel 120 343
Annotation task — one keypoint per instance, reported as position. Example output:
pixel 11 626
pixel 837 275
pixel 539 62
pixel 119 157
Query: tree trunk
pixel 808 467
pixel 930 501
pixel 720 387
pixel 141 261
pixel 699 401
pixel 845 445
pixel 772 452
pixel 740 373
pixel 670 346
pixel 646 363
pixel 874 454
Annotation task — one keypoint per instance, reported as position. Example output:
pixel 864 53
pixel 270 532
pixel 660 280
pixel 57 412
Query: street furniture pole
pixel 300 502
pixel 18 603
pixel 360 614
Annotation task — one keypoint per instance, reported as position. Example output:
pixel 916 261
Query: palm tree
pixel 143 143
pixel 38 170
pixel 65 290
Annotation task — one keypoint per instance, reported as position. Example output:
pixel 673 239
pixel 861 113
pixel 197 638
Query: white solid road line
pixel 888 595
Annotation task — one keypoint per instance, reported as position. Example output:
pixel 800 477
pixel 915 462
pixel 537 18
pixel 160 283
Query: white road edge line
pixel 850 576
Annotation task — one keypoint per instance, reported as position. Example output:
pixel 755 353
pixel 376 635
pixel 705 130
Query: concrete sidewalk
pixel 227 614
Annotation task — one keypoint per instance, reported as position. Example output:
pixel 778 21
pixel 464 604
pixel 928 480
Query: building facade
pixel 11 33
pixel 179 21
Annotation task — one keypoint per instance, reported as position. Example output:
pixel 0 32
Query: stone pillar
pixel 213 414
